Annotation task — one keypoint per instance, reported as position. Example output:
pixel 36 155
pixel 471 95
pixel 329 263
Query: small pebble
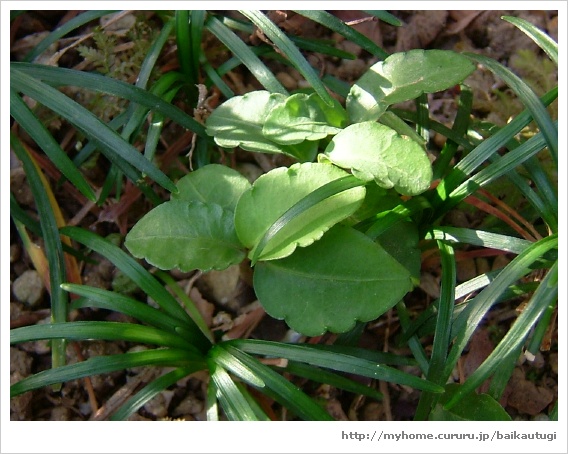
pixel 28 288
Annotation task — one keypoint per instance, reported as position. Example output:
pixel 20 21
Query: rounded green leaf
pixel 238 122
pixel 186 235
pixel 212 184
pixel 272 194
pixel 343 278
pixel 376 152
pixel 304 117
pixel 404 76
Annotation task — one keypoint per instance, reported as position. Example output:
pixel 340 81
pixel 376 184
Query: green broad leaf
pixel 404 76
pixel 373 151
pixel 473 407
pixel 343 278
pixel 304 117
pixel 186 235
pixel 238 122
pixel 275 192
pixel 212 184
pixel 401 241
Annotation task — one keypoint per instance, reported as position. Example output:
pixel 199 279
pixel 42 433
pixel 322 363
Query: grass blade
pixel 545 42
pixel 329 378
pixel 281 389
pixel 471 316
pixel 231 399
pixel 335 361
pixel 52 241
pixel 282 42
pixel 129 332
pixel 141 277
pixel 330 21
pixel 187 302
pixel 385 17
pixel 92 81
pixel 229 362
pixel 60 32
pixel 527 97
pixel 245 55
pixel 183 46
pixel 151 390
pixel 196 27
pixel 496 169
pixel 485 150
pixel 105 299
pixel 441 343
pixel 101 365
pixel 41 136
pixel 460 126
pixel 479 238
pixel 546 293
pixel 112 145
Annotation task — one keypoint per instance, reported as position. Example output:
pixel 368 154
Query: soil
pixel 226 298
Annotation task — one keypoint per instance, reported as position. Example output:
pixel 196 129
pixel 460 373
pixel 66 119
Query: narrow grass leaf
pixel 528 97
pixel 184 46
pixel 330 21
pixel 66 28
pixel 189 305
pixel 496 169
pixel 102 365
pixel 282 42
pixel 229 362
pixel 412 340
pixel 479 238
pixel 385 16
pixel 545 42
pixel 544 296
pixel 441 343
pixel 258 411
pixel 113 301
pixel 245 55
pixel 196 27
pixel 486 149
pixel 329 378
pixel 52 241
pixel 461 123
pixel 129 332
pixel 41 136
pixel 231 399
pixel 335 361
pixel 211 406
pixel 140 276
pixel 56 76
pixel 112 145
pixel 281 389
pixel 471 316
pixel 151 390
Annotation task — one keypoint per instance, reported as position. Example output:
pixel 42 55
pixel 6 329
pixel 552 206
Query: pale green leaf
pixel 272 194
pixel 376 152
pixel 404 76
pixel 304 117
pixel 342 278
pixel 212 184
pixel 186 235
pixel 238 122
